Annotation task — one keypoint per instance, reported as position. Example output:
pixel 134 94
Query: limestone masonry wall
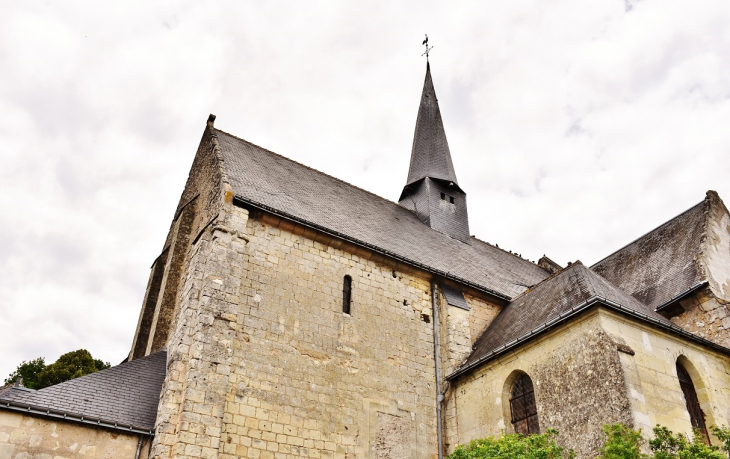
pixel 651 376
pixel 31 437
pixel 264 363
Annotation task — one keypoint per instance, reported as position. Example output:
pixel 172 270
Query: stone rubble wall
pixel 706 316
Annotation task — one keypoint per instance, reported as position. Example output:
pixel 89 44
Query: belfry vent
pixel 432 191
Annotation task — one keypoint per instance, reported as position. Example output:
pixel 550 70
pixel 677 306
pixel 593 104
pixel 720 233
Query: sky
pixel 575 127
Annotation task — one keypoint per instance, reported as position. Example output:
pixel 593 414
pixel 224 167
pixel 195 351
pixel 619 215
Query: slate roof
pixel 546 302
pixel 663 263
pixel 126 395
pixel 279 185
pixel 430 155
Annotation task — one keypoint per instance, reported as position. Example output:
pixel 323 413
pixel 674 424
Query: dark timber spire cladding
pixel 432 191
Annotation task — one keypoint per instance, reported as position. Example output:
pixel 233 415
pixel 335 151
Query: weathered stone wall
pixel 578 380
pixel 705 312
pixel 205 191
pixel 705 315
pixel 656 396
pixel 481 315
pixel 716 248
pixel 264 363
pixel 32 437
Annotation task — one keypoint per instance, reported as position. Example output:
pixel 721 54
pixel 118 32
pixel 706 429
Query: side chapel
pixel 291 314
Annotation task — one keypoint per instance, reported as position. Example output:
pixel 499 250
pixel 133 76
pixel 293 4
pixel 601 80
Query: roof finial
pixel 428 48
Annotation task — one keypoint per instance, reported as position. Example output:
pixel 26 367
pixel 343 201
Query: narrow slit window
pixel 443 196
pixel 523 407
pixel 346 294
pixel 696 416
pixel 451 199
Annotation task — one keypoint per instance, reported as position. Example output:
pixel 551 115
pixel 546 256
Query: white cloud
pixel 574 127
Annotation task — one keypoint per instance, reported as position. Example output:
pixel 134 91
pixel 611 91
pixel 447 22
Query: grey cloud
pixel 102 106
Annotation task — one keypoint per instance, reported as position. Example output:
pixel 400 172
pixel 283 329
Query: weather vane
pixel 428 48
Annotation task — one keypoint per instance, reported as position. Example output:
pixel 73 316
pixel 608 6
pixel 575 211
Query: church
pixel 290 314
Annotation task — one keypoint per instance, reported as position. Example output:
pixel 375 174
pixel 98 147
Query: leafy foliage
pixel 625 443
pixel 29 371
pixel 513 446
pixel 667 445
pixel 723 434
pixel 622 443
pixel 37 375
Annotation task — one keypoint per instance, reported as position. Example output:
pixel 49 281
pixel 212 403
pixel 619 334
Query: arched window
pixel 523 407
pixel 696 416
pixel 346 294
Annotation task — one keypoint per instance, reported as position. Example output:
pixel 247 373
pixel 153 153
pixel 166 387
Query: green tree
pixel 29 371
pixel 69 366
pixel 37 375
pixel 513 446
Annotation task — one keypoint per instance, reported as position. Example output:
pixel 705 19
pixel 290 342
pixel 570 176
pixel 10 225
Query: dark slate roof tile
pixel 546 301
pixel 430 156
pixel 270 181
pixel 662 263
pixel 127 394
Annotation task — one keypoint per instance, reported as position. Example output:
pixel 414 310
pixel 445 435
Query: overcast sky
pixel 575 127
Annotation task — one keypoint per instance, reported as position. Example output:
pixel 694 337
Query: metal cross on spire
pixel 428 48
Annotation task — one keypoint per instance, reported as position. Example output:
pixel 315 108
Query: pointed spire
pixel 432 192
pixel 430 156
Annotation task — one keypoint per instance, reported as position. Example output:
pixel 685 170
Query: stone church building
pixel 290 314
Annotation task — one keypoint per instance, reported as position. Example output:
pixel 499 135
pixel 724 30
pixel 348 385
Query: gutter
pixel 680 296
pixel 245 203
pixel 574 311
pixel 59 414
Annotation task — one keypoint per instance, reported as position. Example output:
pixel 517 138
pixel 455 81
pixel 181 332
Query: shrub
pixel 625 443
pixel 513 446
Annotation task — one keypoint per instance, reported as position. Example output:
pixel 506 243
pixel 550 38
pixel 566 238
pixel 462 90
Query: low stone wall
pixel 31 437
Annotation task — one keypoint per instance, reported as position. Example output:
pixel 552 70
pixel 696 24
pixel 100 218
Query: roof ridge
pixel 557 273
pixel 506 251
pixel 310 168
pixel 358 188
pixel 647 233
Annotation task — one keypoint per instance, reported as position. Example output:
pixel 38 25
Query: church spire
pixel 430 155
pixel 431 191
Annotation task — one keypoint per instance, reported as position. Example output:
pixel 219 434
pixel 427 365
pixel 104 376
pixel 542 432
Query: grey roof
pixel 279 185
pixel 430 156
pixel 127 394
pixel 455 297
pixel 548 301
pixel 662 263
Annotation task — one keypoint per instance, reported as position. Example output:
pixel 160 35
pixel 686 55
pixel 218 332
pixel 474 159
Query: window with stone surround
pixel 346 294
pixel 522 406
pixel 697 417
